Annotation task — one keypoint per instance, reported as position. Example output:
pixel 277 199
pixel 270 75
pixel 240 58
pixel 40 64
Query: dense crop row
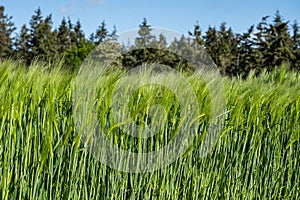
pixel 41 156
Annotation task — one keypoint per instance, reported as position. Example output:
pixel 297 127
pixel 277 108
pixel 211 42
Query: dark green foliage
pixel 43 41
pixel 78 35
pixel 6 29
pixel 263 47
pixel 64 36
pixel 276 45
pixel 197 35
pixel 145 37
pixel 246 54
pixel 162 41
pixel 100 35
pixel 75 56
pixel 69 35
pixel 22 43
pixel 113 36
pixel 296 45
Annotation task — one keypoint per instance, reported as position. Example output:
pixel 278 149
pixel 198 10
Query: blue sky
pixel 177 15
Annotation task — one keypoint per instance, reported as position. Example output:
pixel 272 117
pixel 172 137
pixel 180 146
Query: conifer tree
pixel 63 36
pixel 144 35
pixel 296 45
pixel 43 41
pixel 6 29
pixel 113 36
pixel 100 35
pixel 78 33
pixel 22 43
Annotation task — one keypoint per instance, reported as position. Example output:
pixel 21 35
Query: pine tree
pixel 78 33
pixel 6 29
pixel 35 23
pixel 222 46
pixel 273 42
pixel 113 36
pixel 181 54
pixel 227 50
pixel 72 34
pixel 144 35
pixel 43 41
pixel 22 43
pixel 63 36
pixel 245 59
pixel 296 35
pixel 281 45
pixel 197 36
pixel 211 43
pixel 100 35
pixel 162 41
pixel 260 43
pixel 296 45
pixel 78 48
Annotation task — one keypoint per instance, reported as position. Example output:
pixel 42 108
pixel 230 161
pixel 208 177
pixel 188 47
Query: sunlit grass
pixel 41 156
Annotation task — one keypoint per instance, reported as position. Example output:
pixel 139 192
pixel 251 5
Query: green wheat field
pixel 257 155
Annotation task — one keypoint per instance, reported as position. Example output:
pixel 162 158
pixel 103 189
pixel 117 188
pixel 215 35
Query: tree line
pixel 267 45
